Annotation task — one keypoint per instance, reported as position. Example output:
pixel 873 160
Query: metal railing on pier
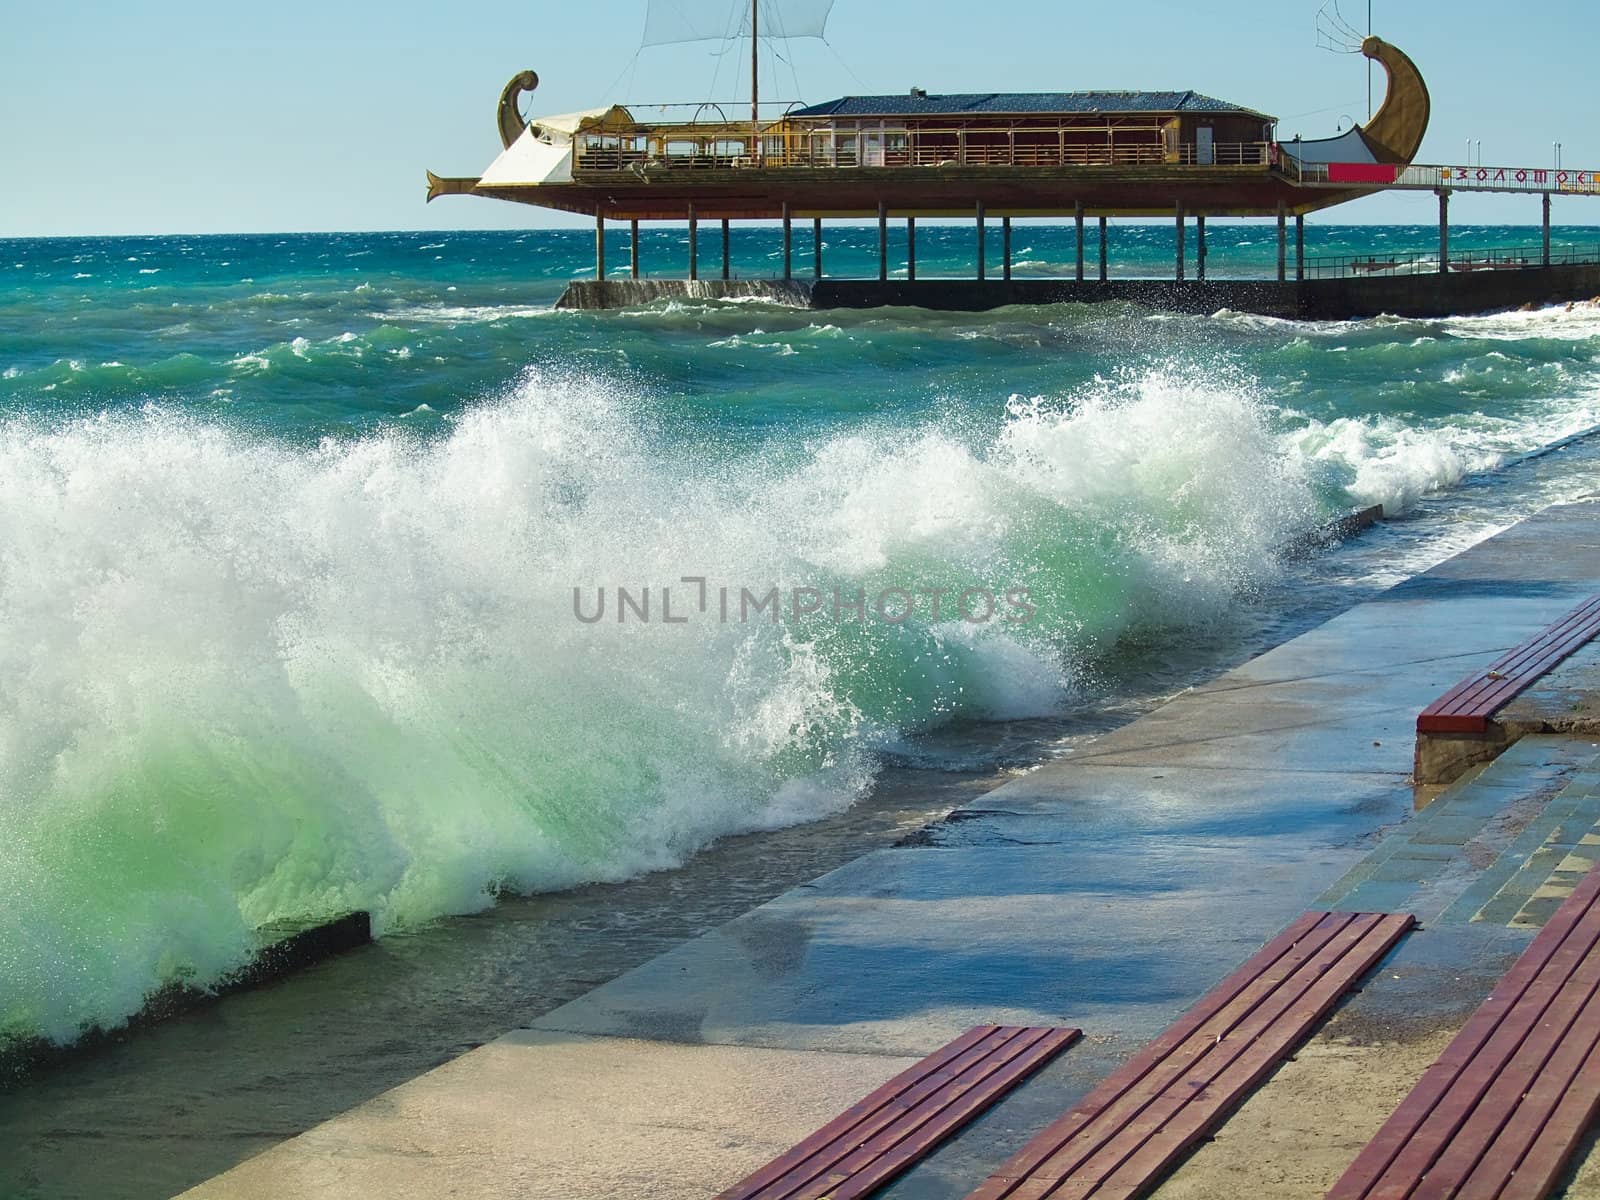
pixel 1344 266
pixel 1431 177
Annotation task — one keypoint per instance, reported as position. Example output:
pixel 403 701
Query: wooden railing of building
pixel 726 147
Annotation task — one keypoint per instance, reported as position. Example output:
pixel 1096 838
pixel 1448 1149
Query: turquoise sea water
pixel 290 528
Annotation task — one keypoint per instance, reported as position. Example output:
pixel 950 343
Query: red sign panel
pixel 1362 172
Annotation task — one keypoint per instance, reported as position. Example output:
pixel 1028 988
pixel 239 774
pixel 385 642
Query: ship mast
pixel 755 85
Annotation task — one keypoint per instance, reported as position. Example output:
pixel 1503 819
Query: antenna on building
pixel 1339 36
pixel 1369 62
pixel 1334 33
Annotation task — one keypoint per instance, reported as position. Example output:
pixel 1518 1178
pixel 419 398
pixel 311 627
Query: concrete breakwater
pixel 281 950
pixel 1417 295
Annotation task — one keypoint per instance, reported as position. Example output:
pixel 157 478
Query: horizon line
pixel 863 222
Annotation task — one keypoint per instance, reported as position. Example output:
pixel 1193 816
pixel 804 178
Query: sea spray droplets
pixel 254 681
pixel 1179 466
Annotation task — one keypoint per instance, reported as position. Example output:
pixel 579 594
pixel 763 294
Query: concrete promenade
pixel 1108 890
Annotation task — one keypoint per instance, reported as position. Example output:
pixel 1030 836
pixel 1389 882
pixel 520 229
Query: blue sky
pixel 182 116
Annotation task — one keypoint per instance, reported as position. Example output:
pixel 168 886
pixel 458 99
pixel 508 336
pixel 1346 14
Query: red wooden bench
pixel 1467 707
pixel 1124 1135
pixel 1501 1111
pixel 876 1139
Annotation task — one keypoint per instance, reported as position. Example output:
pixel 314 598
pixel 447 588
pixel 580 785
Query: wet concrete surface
pixel 903 950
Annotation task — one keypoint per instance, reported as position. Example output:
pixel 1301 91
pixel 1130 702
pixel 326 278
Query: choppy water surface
pixel 291 528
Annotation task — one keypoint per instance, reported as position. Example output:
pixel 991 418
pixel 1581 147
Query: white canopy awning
pixel 530 160
pixel 570 124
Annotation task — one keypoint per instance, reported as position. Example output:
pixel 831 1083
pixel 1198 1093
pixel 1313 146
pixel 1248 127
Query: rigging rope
pixel 670 21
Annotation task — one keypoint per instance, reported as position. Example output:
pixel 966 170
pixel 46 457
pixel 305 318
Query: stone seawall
pixel 632 293
pixel 1422 295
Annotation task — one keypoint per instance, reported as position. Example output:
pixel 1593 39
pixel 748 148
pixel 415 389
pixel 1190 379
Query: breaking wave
pixel 248 681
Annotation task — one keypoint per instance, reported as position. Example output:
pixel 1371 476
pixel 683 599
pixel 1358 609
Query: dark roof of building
pixel 1024 102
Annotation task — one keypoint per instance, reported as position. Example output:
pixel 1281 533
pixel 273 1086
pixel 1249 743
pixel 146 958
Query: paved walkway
pixel 1505 846
pixel 1107 891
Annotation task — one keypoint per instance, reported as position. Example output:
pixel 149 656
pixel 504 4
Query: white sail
pixel 669 21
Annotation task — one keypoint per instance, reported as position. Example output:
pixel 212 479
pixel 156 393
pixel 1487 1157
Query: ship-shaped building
pixel 1181 154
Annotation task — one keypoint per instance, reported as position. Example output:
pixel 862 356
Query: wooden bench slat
pixel 1117 1130
pixel 925 1114
pixel 1519 666
pixel 1544 1080
pixel 1225 993
pixel 1136 1068
pixel 858 1112
pixel 1119 1140
pixel 1375 1158
pixel 1507 676
pixel 1413 1153
pixel 1467 707
pixel 1203 1109
pixel 890 1158
pixel 1452 724
pixel 1462 696
pixel 1524 657
pixel 970 1068
pixel 1493 1105
pixel 1570 624
pixel 883 1133
pixel 1184 1112
pixel 1117 1094
pixel 1547 1158
pixel 1438 1130
pixel 1238 1021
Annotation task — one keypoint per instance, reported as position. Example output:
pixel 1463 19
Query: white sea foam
pixel 1388 463
pixel 1562 322
pixel 461 314
pixel 249 682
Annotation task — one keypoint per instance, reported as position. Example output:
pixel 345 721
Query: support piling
pixel 694 244
pixel 788 242
pixel 1077 219
pixel 883 241
pixel 1178 275
pixel 1444 231
pixel 1283 243
pixel 980 238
